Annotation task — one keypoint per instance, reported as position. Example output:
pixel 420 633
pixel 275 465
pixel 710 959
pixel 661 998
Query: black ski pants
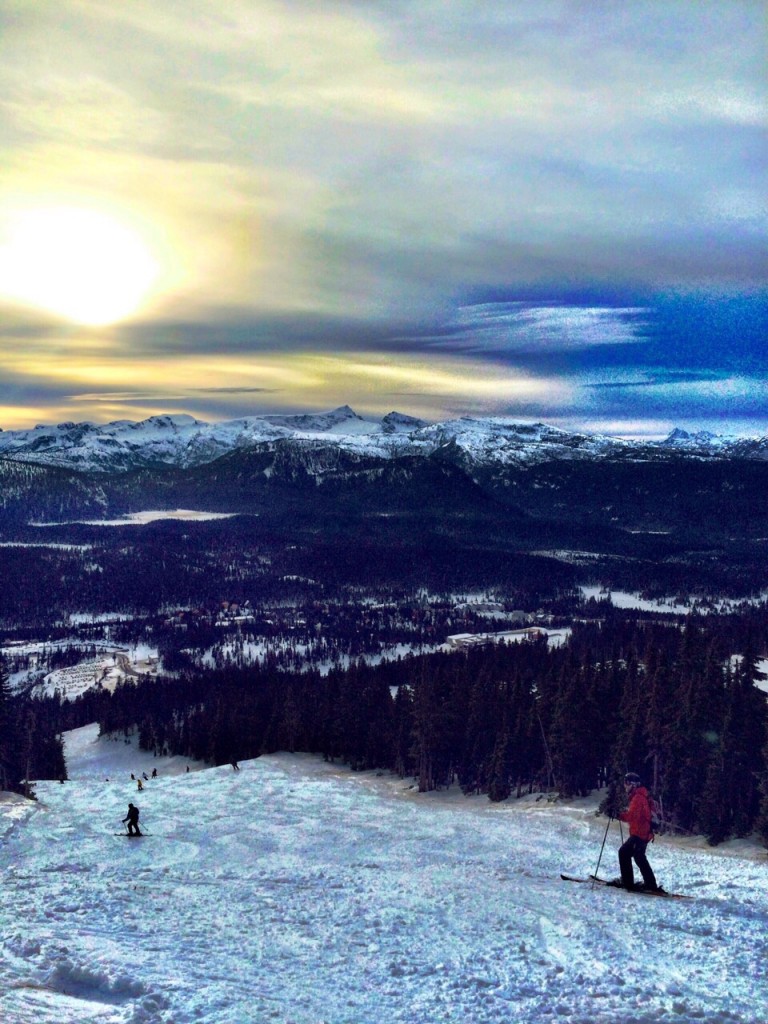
pixel 634 850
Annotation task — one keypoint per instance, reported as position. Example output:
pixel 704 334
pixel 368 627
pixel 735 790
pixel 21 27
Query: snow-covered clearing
pixel 296 891
pixel 105 673
pixel 762 668
pixel 555 637
pixel 112 665
pixel 142 518
pixel 624 599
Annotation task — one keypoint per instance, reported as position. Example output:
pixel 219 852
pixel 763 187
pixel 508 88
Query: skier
pixel 638 817
pixel 132 818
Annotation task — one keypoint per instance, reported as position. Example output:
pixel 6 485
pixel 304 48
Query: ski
pixel 594 880
pixel 128 835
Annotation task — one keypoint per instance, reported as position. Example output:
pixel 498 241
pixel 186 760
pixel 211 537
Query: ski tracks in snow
pixel 293 893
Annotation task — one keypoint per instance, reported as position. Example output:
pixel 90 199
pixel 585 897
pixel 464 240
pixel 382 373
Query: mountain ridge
pixel 182 441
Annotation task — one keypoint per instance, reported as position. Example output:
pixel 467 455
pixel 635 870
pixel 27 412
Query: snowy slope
pixel 183 441
pixel 294 891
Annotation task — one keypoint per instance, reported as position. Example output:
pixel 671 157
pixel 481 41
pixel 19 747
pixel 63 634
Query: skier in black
pixel 132 817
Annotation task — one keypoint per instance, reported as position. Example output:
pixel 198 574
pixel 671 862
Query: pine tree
pixel 714 813
pixel 10 769
pixel 699 721
pixel 762 818
pixel 627 750
pixel 402 729
pixel 480 733
pixel 499 783
pixel 744 741
pixel 572 734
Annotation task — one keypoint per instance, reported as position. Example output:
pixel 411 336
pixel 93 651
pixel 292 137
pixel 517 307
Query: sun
pixel 78 263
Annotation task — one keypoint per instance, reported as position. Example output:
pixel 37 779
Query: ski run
pixel 296 892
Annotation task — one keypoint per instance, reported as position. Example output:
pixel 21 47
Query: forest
pixel 30 740
pixel 676 703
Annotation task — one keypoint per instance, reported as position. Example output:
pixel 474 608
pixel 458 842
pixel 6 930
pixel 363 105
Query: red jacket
pixel 638 814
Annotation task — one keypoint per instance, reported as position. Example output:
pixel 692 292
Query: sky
pixel 547 211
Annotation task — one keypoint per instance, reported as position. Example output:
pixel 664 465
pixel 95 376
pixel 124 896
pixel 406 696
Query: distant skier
pixel 139 784
pixel 154 773
pixel 132 819
pixel 235 766
pixel 638 816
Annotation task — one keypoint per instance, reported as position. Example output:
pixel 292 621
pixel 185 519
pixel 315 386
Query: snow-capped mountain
pixel 183 441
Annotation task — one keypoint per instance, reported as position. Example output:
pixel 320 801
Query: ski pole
pixel 597 869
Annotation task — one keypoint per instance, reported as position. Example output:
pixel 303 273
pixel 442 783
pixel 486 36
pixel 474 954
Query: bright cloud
pixel 494 195
pixel 517 326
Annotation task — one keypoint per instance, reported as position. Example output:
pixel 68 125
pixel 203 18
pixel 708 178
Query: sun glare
pixel 80 264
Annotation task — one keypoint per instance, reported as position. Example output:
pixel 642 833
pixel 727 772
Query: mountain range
pixel 182 441
pixel 337 494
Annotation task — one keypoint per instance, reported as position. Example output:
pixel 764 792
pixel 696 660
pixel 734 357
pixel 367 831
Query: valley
pixel 215 603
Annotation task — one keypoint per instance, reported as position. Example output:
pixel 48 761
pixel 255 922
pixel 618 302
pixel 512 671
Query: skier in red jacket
pixel 638 817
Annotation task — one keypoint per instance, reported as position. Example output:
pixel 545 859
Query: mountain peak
pixel 399 421
pixel 183 441
pixel 679 436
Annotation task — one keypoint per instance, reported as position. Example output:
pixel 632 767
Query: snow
pixel 297 892
pixel 621 599
pixel 624 599
pixel 150 516
pixel 181 440
pixel 112 665
pixel 555 637
pixel 762 667
pixel 105 673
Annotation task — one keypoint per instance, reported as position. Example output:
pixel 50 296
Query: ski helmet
pixel 632 779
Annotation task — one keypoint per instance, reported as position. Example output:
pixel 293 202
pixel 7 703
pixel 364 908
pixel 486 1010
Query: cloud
pixel 77 109
pixel 237 391
pixel 521 327
pixel 391 157
pixel 678 397
pixel 498 189
pixel 660 378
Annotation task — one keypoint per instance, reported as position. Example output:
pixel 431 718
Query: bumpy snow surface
pixel 293 891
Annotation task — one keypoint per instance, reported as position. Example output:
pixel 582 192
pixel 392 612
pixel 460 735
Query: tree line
pixel 677 704
pixel 30 740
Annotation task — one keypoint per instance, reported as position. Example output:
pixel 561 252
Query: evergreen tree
pixel 699 721
pixel 573 732
pixel 402 729
pixel 714 812
pixel 744 740
pixel 479 747
pixel 499 783
pixel 10 760
pixel 627 750
pixel 526 754
pixel 762 818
